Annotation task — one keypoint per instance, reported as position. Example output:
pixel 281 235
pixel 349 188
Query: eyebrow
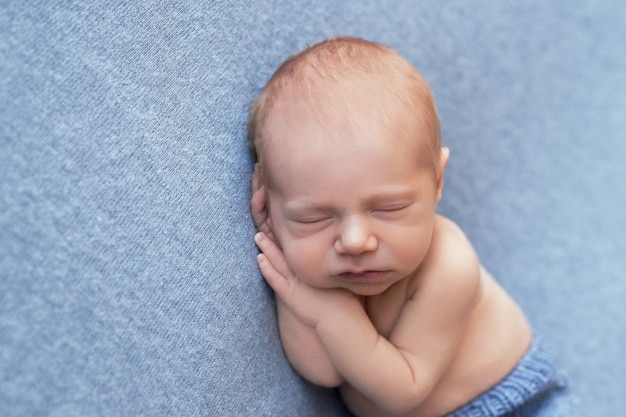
pixel 399 194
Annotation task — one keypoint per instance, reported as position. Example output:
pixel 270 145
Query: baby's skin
pixel 376 293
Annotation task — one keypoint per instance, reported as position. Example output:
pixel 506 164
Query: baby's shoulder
pixel 451 255
pixel 449 240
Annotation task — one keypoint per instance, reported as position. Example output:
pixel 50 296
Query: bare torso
pixel 496 337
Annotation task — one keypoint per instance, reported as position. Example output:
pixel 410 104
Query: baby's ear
pixel 444 156
pixel 259 204
pixel 257 178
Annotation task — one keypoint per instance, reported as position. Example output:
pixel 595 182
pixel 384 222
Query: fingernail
pixel 258 237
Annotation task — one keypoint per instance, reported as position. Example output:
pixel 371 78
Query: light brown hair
pixel 340 60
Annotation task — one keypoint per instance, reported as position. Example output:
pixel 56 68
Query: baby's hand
pixel 311 305
pixel 258 204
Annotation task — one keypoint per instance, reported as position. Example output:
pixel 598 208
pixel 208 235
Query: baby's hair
pixel 340 60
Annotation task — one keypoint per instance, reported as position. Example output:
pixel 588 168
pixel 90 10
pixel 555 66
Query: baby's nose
pixel 355 236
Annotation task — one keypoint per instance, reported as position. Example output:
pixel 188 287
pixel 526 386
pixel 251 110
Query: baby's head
pixel 348 143
pixel 345 85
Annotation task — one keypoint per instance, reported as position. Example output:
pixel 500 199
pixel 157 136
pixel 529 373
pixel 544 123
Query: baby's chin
pixel 366 284
pixel 367 288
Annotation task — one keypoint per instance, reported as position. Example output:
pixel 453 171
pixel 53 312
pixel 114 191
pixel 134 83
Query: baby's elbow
pixel 401 408
pixel 402 402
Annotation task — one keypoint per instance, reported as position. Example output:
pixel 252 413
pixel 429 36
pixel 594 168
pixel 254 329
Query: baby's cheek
pixel 296 260
pixel 281 236
pixel 304 260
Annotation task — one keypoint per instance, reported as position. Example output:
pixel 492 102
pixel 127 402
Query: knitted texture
pixel 533 388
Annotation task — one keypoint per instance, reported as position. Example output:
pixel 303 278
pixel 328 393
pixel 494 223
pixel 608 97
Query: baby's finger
pixel 273 254
pixel 279 284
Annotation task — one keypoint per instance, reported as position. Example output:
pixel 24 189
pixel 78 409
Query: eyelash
pixel 383 210
pixel 390 209
pixel 310 221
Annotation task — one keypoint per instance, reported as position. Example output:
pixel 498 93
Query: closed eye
pixel 310 221
pixel 391 209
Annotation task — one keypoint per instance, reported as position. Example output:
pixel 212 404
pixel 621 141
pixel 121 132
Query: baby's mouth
pixel 365 276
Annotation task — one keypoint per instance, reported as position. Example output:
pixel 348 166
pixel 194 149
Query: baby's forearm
pixel 386 375
pixel 305 351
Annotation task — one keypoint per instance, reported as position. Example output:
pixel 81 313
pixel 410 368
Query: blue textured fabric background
pixel 128 282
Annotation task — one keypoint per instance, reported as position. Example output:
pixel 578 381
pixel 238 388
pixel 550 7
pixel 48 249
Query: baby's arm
pixel 300 307
pixel 304 349
pixel 398 373
pixel 300 342
pixel 434 319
